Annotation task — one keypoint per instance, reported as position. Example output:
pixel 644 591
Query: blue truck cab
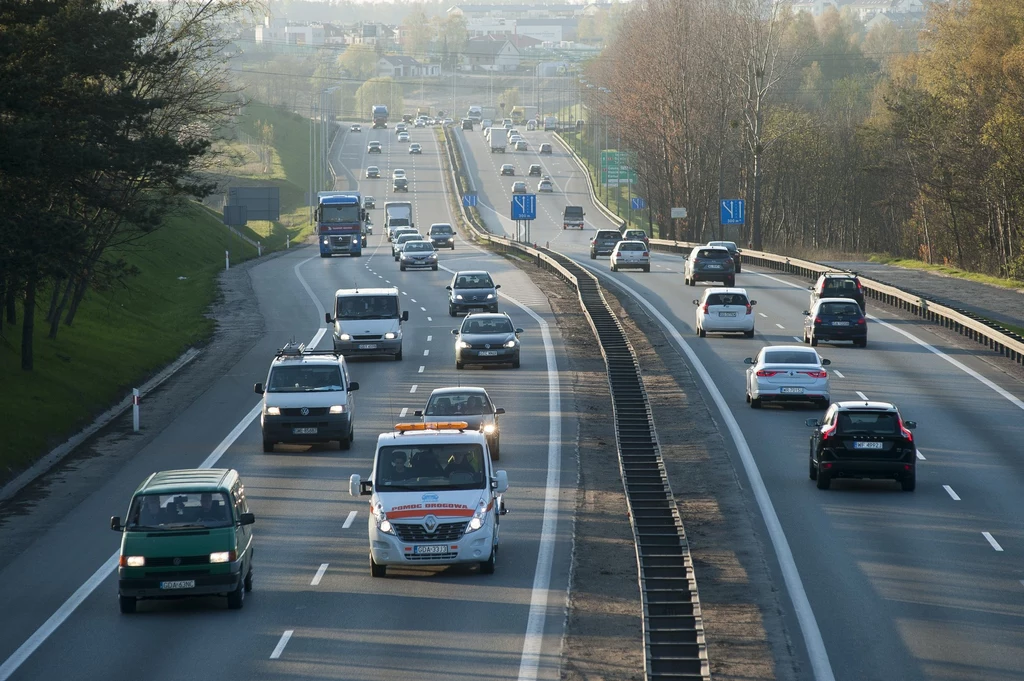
pixel 340 218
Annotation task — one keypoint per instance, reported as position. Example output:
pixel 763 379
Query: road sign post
pixel 524 209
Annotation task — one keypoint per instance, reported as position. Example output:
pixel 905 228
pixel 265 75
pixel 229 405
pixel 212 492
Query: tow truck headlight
pixel 273 411
pixel 381 518
pixel 477 521
pixel 489 429
pixel 344 337
pixel 338 409
pixel 390 335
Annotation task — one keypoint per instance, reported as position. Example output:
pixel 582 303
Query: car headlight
pixel 451 239
pixel 463 344
pixel 344 337
pixel 222 556
pixel 135 561
pixel 390 335
pixel 489 429
pixel 490 296
pixel 338 409
pixel 479 517
pixel 510 344
pixel 432 256
pixel 458 296
pixel 381 518
pixel 273 411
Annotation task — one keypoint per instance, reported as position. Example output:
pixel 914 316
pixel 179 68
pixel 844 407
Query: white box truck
pixel 497 143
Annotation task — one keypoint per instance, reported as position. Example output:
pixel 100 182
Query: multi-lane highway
pixel 884 584
pixel 315 611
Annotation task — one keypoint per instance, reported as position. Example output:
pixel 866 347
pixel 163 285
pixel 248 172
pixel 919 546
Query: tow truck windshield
pixel 430 467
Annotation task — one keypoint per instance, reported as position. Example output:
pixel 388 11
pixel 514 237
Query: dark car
pixel 442 235
pixel 369 202
pixel 733 249
pixel 863 440
pixel 835 319
pixel 709 263
pixel 373 148
pixel 488 338
pixel 636 235
pixel 472 405
pixel 604 242
pixel 472 290
pixel 401 184
pixel 838 285
pixel 535 170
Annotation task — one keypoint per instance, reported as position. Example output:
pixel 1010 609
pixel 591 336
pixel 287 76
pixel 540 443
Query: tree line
pixel 107 112
pixel 908 141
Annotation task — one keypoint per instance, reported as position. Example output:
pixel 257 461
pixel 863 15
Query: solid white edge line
pixel 813 641
pixel 320 573
pixel 861 395
pixel 992 541
pixel 279 648
pixel 348 521
pixel 952 494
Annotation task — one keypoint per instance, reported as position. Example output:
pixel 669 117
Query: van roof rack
pixel 295 350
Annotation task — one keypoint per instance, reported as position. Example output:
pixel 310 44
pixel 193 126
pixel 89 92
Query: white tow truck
pixel 435 498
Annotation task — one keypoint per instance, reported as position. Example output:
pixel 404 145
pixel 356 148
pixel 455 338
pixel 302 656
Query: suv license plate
pixel 714 267
pixel 421 550
pixel 367 346
pixel 789 391
pixel 867 445
pixel 179 584
pixel 303 431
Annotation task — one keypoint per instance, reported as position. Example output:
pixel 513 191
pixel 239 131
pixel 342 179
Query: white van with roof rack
pixel 368 321
pixel 435 498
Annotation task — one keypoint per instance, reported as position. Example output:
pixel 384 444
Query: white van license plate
pixel 179 584
pixel 423 550
pixel 303 431
pixel 367 346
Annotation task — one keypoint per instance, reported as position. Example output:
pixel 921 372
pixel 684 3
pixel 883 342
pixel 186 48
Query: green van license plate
pixel 179 584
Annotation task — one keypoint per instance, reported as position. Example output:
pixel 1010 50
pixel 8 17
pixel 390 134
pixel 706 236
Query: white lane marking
pixel 779 325
pixel 992 541
pixel 1017 402
pixel 426 352
pixel 405 410
pixel 423 309
pixel 822 668
pixel 838 373
pixel 404 293
pixel 760 313
pixel 920 455
pixel 320 573
pixel 798 338
pixel 387 281
pixel 380 276
pixel 429 319
pixel 861 395
pixel 348 521
pixel 430 338
pixel 949 490
pixel 413 389
pixel 421 369
pixel 279 648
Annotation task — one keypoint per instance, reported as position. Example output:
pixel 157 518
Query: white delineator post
pixel 135 409
pixel 227 260
pixel 259 249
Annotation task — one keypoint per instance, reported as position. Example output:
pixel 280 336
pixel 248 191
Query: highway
pixel 884 585
pixel 315 612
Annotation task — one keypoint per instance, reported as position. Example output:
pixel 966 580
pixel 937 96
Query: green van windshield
pixel 186 510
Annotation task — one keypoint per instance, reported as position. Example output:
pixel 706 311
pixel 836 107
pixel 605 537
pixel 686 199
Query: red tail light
pixel 816 374
pixel 859 287
pixel 861 321
pixel 646 254
pixel 766 373
pixel 828 432
pixel 817 320
pixel 749 308
pixel 705 308
pixel 906 433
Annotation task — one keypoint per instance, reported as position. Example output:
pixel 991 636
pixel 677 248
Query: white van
pixel 368 321
pixel 435 498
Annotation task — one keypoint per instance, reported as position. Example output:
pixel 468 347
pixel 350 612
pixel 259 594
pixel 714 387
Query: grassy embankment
pixel 125 334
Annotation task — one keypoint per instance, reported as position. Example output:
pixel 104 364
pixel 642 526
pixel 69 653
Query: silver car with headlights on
pixel 787 373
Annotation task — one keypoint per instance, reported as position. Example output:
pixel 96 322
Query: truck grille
pixel 367 338
pixel 297 411
pixel 445 532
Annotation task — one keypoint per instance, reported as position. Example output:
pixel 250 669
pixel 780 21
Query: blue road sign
pixel 524 207
pixel 469 200
pixel 732 212
pixel 637 203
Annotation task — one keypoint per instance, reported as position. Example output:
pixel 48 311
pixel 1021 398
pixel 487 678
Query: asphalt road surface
pixel 883 584
pixel 315 612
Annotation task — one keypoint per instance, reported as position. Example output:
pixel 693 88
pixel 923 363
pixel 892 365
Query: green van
pixel 187 533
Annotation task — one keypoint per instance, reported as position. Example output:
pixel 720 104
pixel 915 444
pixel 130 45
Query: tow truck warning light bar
pixel 440 425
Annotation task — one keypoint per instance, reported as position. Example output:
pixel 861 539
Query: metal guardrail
pixel 673 628
pixel 989 333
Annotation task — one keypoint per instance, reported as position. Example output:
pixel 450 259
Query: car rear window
pixel 636 234
pixel 574 211
pixel 840 285
pixel 790 357
pixel 632 247
pixel 867 423
pixel 726 299
pixel 608 234
pixel 714 253
pixel 840 309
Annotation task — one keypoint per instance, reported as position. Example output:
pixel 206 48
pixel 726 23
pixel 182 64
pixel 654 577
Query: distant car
pixel 467 124
pixel 514 140
pixel 398 232
pixel 397 172
pixel 417 254
pixel 636 235
pixel 545 148
pixel 448 121
pixel 838 285
pixel 536 170
pixel 472 290
pixel 355 128
pixel 863 440
pixel 835 319
pixel 400 184
pixel 373 148
pixel 604 242
pixel 414 148
pixel 442 235
pixel 508 169
pixel 369 202
pixel 403 137
pixel 372 171
pixel 487 338
pixel 419 123
pixel 725 310
pixel 521 145
pixel 472 405
pixel 400 128
pixel 787 373
pixel 709 263
pixel 531 124
pixel 486 123
pixel 733 249
pixel 401 241
pixel 630 254
pixel 545 187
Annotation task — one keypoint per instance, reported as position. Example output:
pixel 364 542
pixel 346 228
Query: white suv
pixel 725 310
pixel 307 398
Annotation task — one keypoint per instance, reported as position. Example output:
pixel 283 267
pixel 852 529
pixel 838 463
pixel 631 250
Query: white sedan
pixel 787 373
pixel 628 254
pixel 725 310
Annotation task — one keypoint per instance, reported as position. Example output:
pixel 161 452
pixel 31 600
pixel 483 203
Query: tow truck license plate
pixel 303 431
pixel 421 550
pixel 179 584
pixel 867 445
pixel 792 390
pixel 367 346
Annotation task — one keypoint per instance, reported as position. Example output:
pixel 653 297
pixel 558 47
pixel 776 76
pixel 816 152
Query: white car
pixel 519 187
pixel 397 173
pixel 630 254
pixel 403 137
pixel 419 123
pixel 545 186
pixel 725 310
pixel 787 373
pixel 520 144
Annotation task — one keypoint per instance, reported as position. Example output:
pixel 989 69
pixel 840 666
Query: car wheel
pixel 434 268
pixel 909 481
pixel 451 311
pixel 459 365
pixel 593 256
pixel 614 268
pixel 345 443
pixel 647 268
pixel 377 570
pixel 812 340
pixel 731 282
pixel 247 582
pixel 126 604
pixel 236 599
pixel 748 334
pixel 268 446
pixel 515 362
pixel 861 344
pixel 701 332
pixel 401 267
pixel 398 355
pixel 755 402
pixel 812 473
pixel 739 268
pixel 824 480
pixel 487 567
